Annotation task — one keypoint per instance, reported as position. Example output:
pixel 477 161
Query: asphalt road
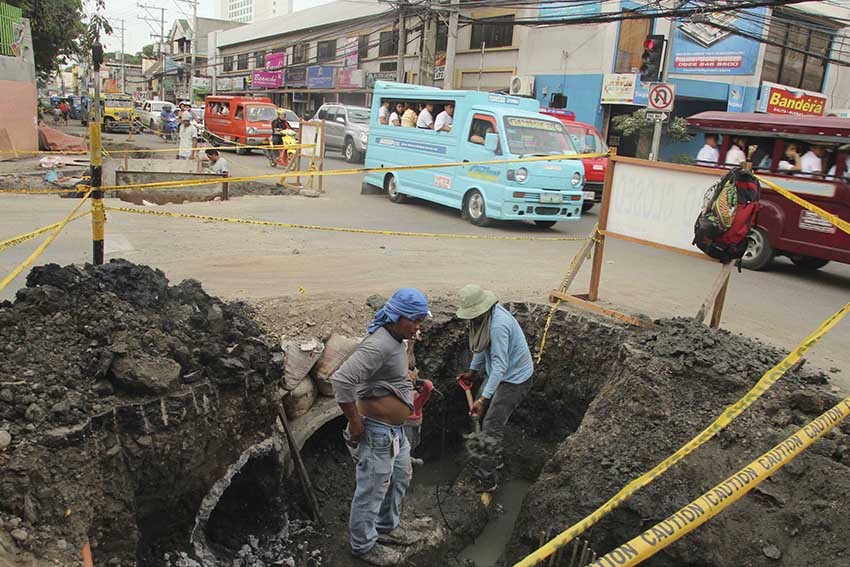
pixel 780 306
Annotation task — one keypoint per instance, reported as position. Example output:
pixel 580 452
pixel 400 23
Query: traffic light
pixel 651 60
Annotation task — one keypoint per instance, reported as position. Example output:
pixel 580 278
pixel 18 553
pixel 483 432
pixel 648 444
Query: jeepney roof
pixel 813 128
pixel 386 89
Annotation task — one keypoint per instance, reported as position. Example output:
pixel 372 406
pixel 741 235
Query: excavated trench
pixel 191 470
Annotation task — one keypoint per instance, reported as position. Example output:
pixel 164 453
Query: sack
pixel 728 213
pixel 300 358
pixel 337 349
pixel 299 401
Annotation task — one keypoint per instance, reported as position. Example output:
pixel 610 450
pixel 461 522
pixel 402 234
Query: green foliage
pixel 129 59
pixel 636 124
pixel 56 26
pixel 148 51
pixel 684 159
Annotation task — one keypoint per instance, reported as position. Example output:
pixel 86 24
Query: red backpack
pixel 729 211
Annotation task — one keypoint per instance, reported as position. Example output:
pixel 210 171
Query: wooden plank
pixel 589 306
pixel 692 254
pixel 599 249
pixel 718 171
pixel 578 261
pixel 719 284
pixel 717 312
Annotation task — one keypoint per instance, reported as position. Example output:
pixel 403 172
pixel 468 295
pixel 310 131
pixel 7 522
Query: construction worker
pixel 498 345
pixel 375 392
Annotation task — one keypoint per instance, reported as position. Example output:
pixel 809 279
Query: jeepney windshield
pixel 532 136
pixel 261 113
pixel 119 102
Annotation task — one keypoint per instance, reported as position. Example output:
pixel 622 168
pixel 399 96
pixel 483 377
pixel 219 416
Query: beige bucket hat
pixel 475 301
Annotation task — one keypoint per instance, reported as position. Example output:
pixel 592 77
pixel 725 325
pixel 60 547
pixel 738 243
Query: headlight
pixel 252 130
pixel 576 180
pixel 364 137
pixel 521 175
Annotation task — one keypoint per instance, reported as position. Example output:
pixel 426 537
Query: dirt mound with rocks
pixel 122 399
pixel 658 390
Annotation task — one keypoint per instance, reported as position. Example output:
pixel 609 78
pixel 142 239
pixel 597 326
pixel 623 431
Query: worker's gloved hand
pixel 477 408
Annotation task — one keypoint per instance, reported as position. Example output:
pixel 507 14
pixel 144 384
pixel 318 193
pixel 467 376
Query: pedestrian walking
pixel 187 137
pixel 499 347
pixel 375 392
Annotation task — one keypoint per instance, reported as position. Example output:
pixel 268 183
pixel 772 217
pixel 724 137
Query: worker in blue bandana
pixel 375 393
pixel 498 347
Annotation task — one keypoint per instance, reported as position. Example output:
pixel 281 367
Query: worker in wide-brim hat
pixel 499 347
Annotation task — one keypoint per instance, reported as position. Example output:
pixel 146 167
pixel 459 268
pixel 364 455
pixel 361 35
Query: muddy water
pixel 489 547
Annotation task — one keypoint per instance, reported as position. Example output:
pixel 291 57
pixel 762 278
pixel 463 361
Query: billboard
pixel 351 50
pixel 701 48
pixel 624 88
pixel 320 77
pixel 267 79
pixel 567 10
pixel 295 77
pixel 275 61
pixel 779 99
pixel 350 79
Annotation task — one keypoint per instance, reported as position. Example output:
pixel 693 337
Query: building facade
pixel 249 11
pixel 731 61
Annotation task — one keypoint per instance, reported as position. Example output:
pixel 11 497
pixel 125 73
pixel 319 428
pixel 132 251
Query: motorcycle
pixel 169 127
pixel 279 156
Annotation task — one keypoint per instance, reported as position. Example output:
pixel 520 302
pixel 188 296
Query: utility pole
pixel 428 51
pixel 123 68
pixel 665 71
pixel 161 37
pixel 98 215
pixel 194 4
pixel 451 46
pixel 402 41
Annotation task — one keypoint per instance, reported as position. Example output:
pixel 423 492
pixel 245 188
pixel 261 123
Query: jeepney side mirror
pixel 491 141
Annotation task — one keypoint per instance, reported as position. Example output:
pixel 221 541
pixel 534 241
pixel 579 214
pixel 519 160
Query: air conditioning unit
pixel 522 85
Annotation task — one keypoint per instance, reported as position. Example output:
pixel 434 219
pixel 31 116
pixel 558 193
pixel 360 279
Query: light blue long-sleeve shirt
pixel 507 358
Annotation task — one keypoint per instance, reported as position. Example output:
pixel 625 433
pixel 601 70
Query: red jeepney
pixel 588 141
pixel 238 121
pixel 784 228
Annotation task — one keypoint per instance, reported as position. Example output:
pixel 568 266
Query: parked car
pixel 587 140
pixel 346 128
pixel 238 120
pixel 149 115
pixel 783 228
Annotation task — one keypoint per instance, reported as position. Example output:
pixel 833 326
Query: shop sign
pixel 349 79
pixel 382 76
pixel 351 51
pixel 295 77
pixel 623 88
pixel 267 79
pixel 440 73
pixel 700 48
pixel 320 77
pixel 735 99
pixel 201 82
pixel 779 99
pixel 275 61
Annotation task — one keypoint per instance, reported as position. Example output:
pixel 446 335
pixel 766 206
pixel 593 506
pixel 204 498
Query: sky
pixel 137 32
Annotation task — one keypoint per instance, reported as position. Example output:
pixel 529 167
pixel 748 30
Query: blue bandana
pixel 406 302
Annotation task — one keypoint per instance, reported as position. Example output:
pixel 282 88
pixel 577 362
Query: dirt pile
pixel 656 391
pixel 122 400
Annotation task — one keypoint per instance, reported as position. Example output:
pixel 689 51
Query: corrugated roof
pixel 318 16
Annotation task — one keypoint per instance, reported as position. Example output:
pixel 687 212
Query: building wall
pixel 18 130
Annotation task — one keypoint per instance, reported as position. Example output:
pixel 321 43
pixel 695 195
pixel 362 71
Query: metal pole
pixel 194 52
pixel 481 64
pixel 451 47
pixel 656 132
pixel 402 43
pixel 98 216
pixel 162 51
pixel 213 53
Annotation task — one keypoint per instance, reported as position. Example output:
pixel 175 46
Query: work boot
pixel 381 555
pixel 400 536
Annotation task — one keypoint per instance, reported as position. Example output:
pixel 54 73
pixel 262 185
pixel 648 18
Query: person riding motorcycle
pixel 282 133
pixel 168 122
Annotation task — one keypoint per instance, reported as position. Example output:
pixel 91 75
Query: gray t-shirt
pixel 378 368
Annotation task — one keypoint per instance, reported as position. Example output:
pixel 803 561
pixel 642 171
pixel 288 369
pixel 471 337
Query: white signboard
pixel 618 88
pixel 312 133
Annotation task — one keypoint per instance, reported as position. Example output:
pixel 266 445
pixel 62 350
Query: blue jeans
pixel 382 479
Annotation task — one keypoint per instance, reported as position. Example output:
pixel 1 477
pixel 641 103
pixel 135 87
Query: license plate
pixel 589 195
pixel 551 198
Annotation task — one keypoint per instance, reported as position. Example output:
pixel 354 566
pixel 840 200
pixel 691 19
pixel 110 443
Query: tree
pixel 636 124
pixel 148 51
pixel 56 26
pixel 129 59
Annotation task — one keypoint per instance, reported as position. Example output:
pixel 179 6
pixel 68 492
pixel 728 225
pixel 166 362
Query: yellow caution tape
pixel 21 238
pixel 715 500
pixel 43 246
pixel 834 219
pixel 343 229
pixel 204 148
pixel 729 414
pixel 311 173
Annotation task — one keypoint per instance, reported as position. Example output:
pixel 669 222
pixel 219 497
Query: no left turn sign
pixel 661 97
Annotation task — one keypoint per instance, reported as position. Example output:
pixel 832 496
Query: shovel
pixel 467 388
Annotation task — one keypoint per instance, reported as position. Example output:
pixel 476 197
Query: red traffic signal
pixel 651 59
pixel 649 44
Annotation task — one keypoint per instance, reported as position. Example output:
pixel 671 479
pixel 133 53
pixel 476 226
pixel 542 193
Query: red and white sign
pixel 661 96
pixel 708 61
pixel 778 99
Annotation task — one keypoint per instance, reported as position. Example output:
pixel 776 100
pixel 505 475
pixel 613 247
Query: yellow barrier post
pixel 98 215
pixel 710 504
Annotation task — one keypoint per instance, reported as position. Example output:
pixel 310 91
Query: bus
pixel 485 127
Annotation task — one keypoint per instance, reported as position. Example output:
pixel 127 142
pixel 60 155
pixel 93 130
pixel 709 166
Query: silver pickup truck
pixel 346 128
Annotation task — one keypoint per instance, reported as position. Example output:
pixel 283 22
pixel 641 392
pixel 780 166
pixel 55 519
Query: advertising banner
pixel 624 88
pixel 567 10
pixel 779 99
pixel 382 76
pixel 295 77
pixel 351 48
pixel 275 61
pixel 320 77
pixel 700 48
pixel 735 99
pixel 350 78
pixel 267 79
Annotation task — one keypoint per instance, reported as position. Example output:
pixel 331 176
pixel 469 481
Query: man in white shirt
pixel 811 161
pixel 736 156
pixel 709 154
pixel 384 113
pixel 443 123
pixel 831 172
pixel 218 164
pixel 188 137
pixel 426 119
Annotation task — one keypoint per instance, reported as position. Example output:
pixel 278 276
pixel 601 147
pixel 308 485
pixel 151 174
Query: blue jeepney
pixel 485 127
